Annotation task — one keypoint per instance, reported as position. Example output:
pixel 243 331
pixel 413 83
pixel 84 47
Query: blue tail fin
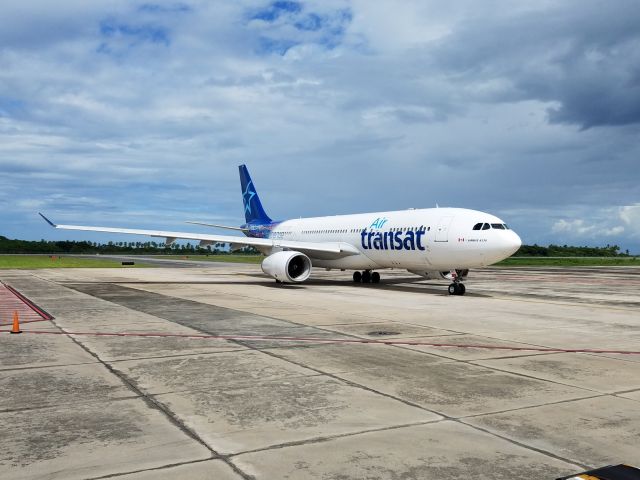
pixel 253 211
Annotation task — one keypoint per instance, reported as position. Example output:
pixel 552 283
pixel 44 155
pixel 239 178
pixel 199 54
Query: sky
pixel 137 113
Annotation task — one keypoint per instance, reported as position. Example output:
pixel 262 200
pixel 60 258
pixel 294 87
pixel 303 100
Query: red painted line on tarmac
pixel 333 340
pixel 45 315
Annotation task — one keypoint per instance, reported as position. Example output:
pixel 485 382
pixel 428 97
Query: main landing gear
pixel 457 287
pixel 366 277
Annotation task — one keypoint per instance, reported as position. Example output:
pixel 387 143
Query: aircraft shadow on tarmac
pixel 395 284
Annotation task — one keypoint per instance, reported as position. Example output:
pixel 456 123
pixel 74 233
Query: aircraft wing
pixel 313 249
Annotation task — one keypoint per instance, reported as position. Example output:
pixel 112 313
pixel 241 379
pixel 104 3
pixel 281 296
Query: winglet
pixel 47 220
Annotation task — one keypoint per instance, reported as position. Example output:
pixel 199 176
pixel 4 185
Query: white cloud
pixel 579 228
pixel 630 215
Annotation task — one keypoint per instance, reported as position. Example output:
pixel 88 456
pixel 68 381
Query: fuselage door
pixel 442 230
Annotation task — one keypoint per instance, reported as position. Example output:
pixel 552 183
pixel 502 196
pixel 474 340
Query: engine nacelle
pixel 289 267
pixel 435 275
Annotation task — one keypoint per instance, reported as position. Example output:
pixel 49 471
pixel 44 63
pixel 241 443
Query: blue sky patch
pixel 10 106
pixel 136 33
pixel 311 22
pixel 155 8
pixel 276 9
pixel 278 46
pixel 326 29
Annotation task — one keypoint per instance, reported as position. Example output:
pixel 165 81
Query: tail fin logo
pixel 247 195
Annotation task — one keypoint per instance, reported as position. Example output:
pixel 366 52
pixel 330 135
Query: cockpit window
pixel 505 226
pixel 497 226
pixel 486 226
pixel 477 226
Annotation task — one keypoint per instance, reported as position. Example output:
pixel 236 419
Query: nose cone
pixel 512 243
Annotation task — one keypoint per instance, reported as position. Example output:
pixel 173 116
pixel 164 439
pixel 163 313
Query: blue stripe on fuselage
pixel 259 230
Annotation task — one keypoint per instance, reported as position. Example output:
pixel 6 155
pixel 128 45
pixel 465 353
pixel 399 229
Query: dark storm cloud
pixel 583 55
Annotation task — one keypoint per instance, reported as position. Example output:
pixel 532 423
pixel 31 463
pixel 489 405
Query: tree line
pixel 570 251
pixel 8 246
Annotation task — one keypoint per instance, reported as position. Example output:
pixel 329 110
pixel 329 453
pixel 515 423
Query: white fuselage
pixel 434 239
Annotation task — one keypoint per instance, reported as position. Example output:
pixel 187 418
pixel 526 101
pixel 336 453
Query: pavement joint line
pixel 355 340
pixel 604 355
pixel 153 469
pixel 328 438
pixel 528 407
pixel 530 447
pixel 626 391
pixel 450 359
pixel 518 297
pixel 519 374
pixel 157 357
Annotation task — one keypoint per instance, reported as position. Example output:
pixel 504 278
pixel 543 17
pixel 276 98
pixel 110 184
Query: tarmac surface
pixel 154 407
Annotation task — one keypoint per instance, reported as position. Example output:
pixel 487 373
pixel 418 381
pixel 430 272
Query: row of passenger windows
pixel 345 230
pixel 487 226
pixel 359 230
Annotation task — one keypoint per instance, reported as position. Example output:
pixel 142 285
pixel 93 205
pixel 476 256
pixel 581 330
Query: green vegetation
pixel 564 256
pixel 568 251
pixel 90 248
pixel 232 258
pixel 54 261
pixel 570 261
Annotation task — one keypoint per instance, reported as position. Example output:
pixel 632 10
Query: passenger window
pixel 486 226
pixel 497 226
pixel 477 226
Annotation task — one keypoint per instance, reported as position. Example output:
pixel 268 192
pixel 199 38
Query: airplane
pixel 434 243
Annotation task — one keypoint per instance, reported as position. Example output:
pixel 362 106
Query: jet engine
pixel 435 275
pixel 288 266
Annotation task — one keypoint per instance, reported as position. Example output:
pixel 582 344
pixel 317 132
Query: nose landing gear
pixel 457 287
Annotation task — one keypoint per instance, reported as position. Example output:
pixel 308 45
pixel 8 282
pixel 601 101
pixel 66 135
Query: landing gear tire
pixel 457 289
pixel 357 277
pixel 375 277
pixel 366 276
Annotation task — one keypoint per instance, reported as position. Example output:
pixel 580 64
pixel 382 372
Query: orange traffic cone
pixel 16 323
